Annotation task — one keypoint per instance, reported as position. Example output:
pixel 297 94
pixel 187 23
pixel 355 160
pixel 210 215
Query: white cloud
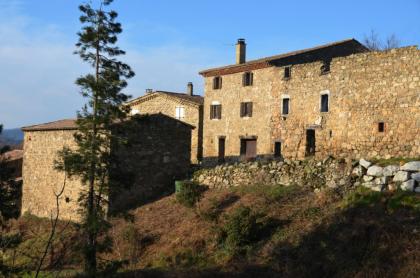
pixel 38 69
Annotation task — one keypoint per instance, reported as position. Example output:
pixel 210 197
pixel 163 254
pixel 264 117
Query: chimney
pixel 148 91
pixel 190 90
pixel 240 51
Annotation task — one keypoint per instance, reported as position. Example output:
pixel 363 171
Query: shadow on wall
pixel 154 153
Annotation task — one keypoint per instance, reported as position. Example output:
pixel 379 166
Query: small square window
pixel 215 111
pixel 287 73
pixel 247 79
pixel 381 127
pixel 179 112
pixel 325 68
pixel 217 83
pixel 246 109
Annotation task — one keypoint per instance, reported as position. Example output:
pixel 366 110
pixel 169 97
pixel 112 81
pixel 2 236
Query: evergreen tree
pixel 102 89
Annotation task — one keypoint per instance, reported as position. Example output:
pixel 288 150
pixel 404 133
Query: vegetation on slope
pixel 260 231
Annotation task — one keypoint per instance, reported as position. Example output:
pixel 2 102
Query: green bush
pixel 189 194
pixel 241 229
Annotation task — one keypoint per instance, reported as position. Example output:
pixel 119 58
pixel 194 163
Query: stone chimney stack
pixel 240 51
pixel 149 91
pixel 190 89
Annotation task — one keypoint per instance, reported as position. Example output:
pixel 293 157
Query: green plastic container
pixel 178 186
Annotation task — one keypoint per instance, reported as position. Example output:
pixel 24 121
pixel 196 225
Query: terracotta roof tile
pixel 265 62
pixel 66 124
pixel 13 155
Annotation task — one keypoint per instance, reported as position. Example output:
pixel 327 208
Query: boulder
pixel 357 171
pixel 401 176
pixel 368 184
pixel 365 163
pixel 367 178
pixel 416 177
pixel 413 166
pixel 390 170
pixel 378 187
pixel 408 185
pixel 375 171
pixel 381 181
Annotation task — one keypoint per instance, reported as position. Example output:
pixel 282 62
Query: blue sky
pixel 168 42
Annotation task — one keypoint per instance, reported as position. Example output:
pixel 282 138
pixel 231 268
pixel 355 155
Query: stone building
pixel 142 170
pixel 185 107
pixel 336 99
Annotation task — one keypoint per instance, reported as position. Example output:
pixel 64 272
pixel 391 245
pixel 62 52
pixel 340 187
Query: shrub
pixel 241 229
pixel 189 194
pixel 403 199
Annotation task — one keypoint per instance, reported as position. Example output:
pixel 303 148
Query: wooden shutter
pixel 220 82
pixel 244 79
pixel 219 114
pixel 250 109
pixel 211 112
pixel 251 78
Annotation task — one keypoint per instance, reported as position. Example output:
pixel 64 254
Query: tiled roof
pixel 195 99
pixel 266 62
pixel 13 155
pixel 66 124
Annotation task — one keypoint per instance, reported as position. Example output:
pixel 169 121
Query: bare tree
pixel 373 42
pixel 54 222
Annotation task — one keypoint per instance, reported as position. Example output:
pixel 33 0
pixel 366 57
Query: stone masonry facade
pixel 373 105
pixel 142 170
pixel 168 103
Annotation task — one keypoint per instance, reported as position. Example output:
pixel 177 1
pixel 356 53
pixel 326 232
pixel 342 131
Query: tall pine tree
pixel 102 89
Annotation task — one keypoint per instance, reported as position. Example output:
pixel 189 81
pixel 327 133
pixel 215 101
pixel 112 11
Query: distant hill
pixel 11 137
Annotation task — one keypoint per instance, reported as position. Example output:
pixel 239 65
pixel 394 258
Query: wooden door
pixel 251 148
pixel 221 155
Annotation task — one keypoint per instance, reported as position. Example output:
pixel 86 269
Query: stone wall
pixel 318 174
pixel 41 181
pixel 156 153
pixel 364 89
pixel 161 103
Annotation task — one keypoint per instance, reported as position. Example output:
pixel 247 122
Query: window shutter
pixel 244 79
pixel 250 109
pixel 220 82
pixel 251 79
pixel 214 83
pixel 220 111
pixel 211 112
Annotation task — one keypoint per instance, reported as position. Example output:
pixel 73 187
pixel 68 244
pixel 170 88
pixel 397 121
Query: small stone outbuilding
pixel 143 169
pixel 186 107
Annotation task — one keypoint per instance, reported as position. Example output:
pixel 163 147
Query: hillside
pixel 259 231
pixel 12 137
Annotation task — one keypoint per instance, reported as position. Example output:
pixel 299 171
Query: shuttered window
pixel 179 112
pixel 246 109
pixel 216 111
pixel 217 83
pixel 247 79
pixel 324 103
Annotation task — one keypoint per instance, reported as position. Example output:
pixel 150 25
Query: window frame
pixel 287 69
pixel 247 79
pixel 246 109
pixel 282 105
pixel 322 94
pixel 381 127
pixel 217 83
pixel 181 115
pixel 215 111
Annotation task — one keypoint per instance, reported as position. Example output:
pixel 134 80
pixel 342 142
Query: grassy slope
pixel 329 234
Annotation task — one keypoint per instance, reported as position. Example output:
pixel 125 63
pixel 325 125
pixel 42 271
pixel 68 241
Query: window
pixel 287 73
pixel 246 109
pixel 215 111
pixel 179 112
pixel 325 68
pixel 247 79
pixel 285 106
pixel 134 111
pixel 324 103
pixel 217 83
pixel 277 149
pixel 381 127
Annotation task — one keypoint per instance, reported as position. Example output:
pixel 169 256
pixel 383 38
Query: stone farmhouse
pixel 336 99
pixel 141 171
pixel 185 107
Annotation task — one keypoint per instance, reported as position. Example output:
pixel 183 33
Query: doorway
pixel 249 148
pixel 277 149
pixel 310 142
pixel 221 153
